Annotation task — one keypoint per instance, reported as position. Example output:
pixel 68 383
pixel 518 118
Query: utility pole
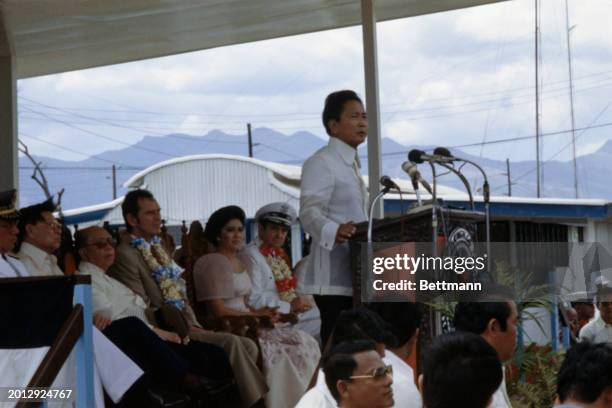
pixel 571 93
pixel 114 182
pixel 250 140
pixel 537 96
pixel 509 178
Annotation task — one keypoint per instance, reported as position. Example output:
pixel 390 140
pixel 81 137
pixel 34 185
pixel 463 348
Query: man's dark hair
pixel 32 215
pixel 334 106
pixel 401 318
pixel 460 367
pixel 586 372
pixel 219 219
pixel 361 323
pixel 493 303
pixel 339 363
pixel 131 206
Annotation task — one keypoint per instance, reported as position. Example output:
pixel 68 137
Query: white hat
pixel 277 213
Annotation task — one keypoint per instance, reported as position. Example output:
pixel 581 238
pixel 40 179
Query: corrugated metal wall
pixel 194 189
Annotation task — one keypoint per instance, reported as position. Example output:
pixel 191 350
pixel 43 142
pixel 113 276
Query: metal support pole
pixel 84 349
pixel 9 174
pixel 370 61
pixel 571 93
pixel 250 137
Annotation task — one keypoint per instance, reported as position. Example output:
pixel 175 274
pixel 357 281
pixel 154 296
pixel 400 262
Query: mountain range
pixel 89 181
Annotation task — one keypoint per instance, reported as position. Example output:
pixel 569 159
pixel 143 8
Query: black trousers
pixel 160 362
pixel 330 307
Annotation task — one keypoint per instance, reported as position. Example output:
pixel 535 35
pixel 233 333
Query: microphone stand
pixel 466 184
pixel 372 205
pixel 434 213
pixel 486 193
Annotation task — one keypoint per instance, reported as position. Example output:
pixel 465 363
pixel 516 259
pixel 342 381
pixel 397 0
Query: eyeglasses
pixel 103 243
pixel 52 224
pixel 377 374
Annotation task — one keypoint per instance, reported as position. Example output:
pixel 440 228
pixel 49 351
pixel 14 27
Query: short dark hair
pixel 131 206
pixel 32 215
pixel 493 303
pixel 401 318
pixel 334 106
pixel 219 219
pixel 461 367
pixel 361 323
pixel 586 372
pixel 339 363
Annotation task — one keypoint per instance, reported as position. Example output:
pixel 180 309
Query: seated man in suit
pixel 174 360
pixel 143 265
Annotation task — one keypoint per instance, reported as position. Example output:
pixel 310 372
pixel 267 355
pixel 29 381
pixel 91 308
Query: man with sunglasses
pixel 357 377
pixel 171 361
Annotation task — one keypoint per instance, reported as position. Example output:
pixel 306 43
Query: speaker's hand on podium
pixel 345 232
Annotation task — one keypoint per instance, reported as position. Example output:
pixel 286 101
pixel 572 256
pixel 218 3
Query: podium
pixel 459 226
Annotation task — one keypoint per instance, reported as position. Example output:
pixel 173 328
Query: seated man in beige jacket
pixel 143 266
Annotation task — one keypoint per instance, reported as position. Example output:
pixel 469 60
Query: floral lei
pixel 284 279
pixel 166 273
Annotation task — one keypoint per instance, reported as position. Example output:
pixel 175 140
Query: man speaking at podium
pixel 334 197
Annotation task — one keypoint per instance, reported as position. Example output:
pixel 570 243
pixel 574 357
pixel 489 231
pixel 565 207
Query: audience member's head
pixel 274 222
pixel 141 214
pixel 8 221
pixel 38 227
pixel 96 246
pixel 493 316
pixel 402 319
pixel 220 219
pixel 585 309
pixel 357 377
pixel 572 319
pixel 585 377
pixel 459 369
pixel 361 323
pixel 344 117
pixel 604 303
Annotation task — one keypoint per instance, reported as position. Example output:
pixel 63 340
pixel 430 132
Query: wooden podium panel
pixel 411 228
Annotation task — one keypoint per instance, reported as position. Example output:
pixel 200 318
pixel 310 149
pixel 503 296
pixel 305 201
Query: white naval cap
pixel 277 213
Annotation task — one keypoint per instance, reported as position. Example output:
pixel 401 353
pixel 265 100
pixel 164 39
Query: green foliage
pixel 531 377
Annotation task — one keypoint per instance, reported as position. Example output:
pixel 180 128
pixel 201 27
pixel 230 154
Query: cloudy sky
pixel 455 78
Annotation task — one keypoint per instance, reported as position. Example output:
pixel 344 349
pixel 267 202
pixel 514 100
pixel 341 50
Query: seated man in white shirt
pixel 599 330
pixel 357 377
pixel 403 319
pixel 460 369
pixel 174 362
pixel 274 284
pixel 493 316
pixel 585 377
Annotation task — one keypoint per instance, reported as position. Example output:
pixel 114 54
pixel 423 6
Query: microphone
pixel 444 152
pixel 413 172
pixel 388 183
pixel 419 156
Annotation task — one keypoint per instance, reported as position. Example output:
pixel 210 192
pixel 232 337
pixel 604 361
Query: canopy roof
pixel 52 36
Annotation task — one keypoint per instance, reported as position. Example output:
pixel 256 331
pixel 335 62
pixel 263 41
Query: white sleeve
pixel 586 333
pixel 317 186
pixel 258 297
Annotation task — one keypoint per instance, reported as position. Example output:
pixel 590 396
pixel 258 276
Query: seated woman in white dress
pixel 290 356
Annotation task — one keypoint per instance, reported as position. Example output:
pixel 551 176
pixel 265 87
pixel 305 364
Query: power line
pixel 72 150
